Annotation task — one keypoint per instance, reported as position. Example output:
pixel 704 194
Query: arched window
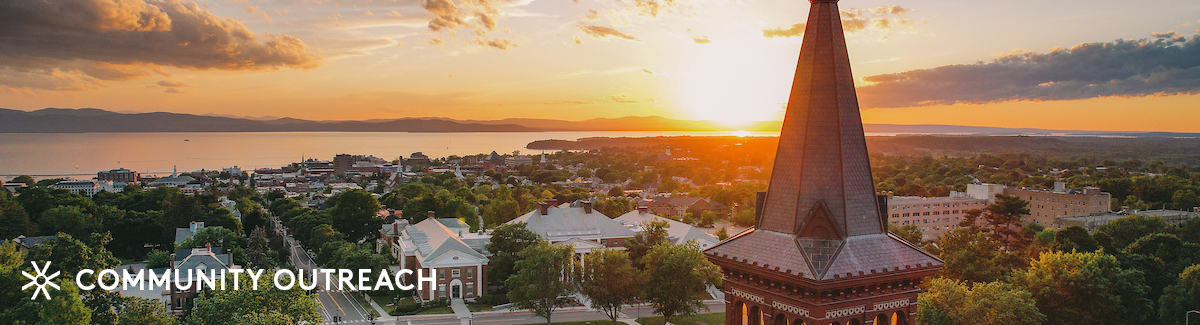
pixel 780 319
pixel 882 319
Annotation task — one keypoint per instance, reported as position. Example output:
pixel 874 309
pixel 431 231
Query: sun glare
pixel 735 82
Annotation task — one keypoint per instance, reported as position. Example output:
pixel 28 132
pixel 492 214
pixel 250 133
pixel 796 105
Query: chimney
pixel 543 208
pixel 642 209
pixel 587 206
pixel 208 247
pixel 396 229
pixel 552 201
pixel 432 215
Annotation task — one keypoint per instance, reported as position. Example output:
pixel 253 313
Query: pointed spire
pixel 822 177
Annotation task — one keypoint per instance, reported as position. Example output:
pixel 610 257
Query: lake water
pixel 81 155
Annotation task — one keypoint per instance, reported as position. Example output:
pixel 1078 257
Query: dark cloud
pixel 94 40
pixel 883 18
pixel 1165 64
pixel 172 84
pixel 603 32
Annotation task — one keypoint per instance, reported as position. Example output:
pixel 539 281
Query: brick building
pixel 1046 206
pixel 933 215
pixel 445 247
pixel 119 175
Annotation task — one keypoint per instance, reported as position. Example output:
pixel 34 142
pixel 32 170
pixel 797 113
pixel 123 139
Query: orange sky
pixel 574 60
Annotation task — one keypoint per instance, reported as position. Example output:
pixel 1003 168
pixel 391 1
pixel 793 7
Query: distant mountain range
pixel 61 120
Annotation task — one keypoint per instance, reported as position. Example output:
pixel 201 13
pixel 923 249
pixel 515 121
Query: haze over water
pixel 81 155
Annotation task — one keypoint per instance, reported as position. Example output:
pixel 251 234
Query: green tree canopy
pixel 230 306
pixel 952 302
pixel 507 242
pixel 677 277
pixel 610 281
pixel 1085 288
pixel 973 256
pixel 538 283
pixel 652 234
pixel 353 214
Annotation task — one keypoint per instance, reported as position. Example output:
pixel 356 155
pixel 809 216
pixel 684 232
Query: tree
pixel 67 219
pixel 229 306
pixel 677 278
pixel 1004 218
pixel 910 233
pixel 25 179
pixel 259 250
pixel 610 281
pixel 507 242
pixel 1085 288
pixel 353 214
pixel 15 305
pixel 952 302
pixel 13 219
pixel 1124 231
pixel 539 281
pixel 1178 299
pixel 722 233
pixel 139 311
pixel 973 256
pixel 158 259
pixel 1074 239
pixel 652 234
pixel 616 191
pixel 214 236
pixel 69 255
pixel 67 309
pixel 1175 253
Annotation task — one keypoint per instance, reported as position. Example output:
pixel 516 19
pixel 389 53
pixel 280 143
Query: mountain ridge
pixel 84 120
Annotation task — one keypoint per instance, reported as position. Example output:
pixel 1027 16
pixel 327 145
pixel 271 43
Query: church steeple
pixel 822 175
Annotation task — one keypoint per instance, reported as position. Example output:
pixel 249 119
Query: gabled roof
pixel 29 242
pixel 196 257
pixel 433 240
pixel 565 221
pixel 841 259
pixel 677 232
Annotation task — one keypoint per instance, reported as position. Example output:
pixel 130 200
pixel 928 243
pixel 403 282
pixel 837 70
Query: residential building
pixel 1046 206
pixel 577 225
pixel 430 246
pixel 933 215
pixel 25 243
pixel 182 234
pixel 677 232
pixel 121 175
pixel 208 260
pixel 89 187
pixel 518 160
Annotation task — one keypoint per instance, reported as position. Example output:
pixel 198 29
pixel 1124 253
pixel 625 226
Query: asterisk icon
pixel 41 280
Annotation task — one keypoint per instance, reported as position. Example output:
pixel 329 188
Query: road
pixel 334 303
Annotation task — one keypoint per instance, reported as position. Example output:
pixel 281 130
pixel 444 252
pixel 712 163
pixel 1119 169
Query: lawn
pixel 363 302
pixel 436 310
pixel 701 319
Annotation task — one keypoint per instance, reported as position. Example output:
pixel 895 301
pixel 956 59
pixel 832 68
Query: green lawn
pixel 363 302
pixel 701 319
pixel 478 307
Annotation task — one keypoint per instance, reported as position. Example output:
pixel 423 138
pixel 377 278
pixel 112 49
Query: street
pixel 334 303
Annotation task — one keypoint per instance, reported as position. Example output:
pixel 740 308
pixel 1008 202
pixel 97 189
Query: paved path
pixel 335 304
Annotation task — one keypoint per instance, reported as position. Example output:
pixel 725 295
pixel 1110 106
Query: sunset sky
pixel 1095 65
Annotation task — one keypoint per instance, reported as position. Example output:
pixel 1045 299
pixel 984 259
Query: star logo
pixel 41 280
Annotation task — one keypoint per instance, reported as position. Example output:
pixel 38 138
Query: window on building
pixel 454 273
pixel 471 273
pixel 441 291
pixel 442 274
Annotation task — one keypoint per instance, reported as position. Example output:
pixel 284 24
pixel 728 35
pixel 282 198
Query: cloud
pixel 701 40
pixel 95 40
pixel 172 91
pixel 172 84
pixel 604 32
pixel 613 99
pixel 478 16
pixel 652 8
pixel 795 30
pixel 888 18
pixel 1165 64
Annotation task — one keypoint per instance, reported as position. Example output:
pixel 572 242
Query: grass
pixel 384 300
pixel 436 310
pixel 701 319
pixel 478 307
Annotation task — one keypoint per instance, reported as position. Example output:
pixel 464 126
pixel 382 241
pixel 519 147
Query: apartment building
pixel 933 215
pixel 1046 206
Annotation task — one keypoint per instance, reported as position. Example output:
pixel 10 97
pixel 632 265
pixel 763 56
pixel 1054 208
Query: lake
pixel 81 155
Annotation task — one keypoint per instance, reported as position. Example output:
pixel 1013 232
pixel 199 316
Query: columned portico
pixel 819 252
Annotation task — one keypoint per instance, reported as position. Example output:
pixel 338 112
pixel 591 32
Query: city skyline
pixel 914 62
